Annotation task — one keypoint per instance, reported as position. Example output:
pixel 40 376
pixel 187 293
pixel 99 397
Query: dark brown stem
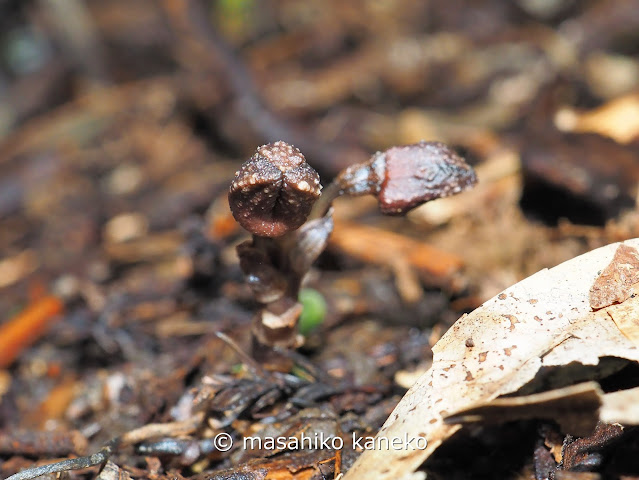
pixel 323 204
pixel 360 179
pixel 276 322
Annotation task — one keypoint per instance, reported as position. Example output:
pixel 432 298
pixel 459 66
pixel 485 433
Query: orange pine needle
pixel 26 327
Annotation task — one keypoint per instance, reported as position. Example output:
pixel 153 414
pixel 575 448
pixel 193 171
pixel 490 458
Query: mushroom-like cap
pixel 274 191
pixel 415 174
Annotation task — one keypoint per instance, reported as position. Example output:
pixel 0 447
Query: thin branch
pixel 71 464
pixel 146 432
pixel 192 16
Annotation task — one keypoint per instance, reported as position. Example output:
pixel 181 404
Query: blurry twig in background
pixel 42 50
pixel 74 26
pixel 190 18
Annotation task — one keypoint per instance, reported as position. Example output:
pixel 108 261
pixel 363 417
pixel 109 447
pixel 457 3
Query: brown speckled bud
pixel 415 174
pixel 403 178
pixel 273 192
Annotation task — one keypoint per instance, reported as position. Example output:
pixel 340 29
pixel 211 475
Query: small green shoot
pixel 314 310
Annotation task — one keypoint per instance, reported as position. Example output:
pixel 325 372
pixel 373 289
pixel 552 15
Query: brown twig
pixel 134 436
pixel 190 17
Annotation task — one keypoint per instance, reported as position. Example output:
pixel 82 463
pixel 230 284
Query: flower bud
pixel 415 174
pixel 403 178
pixel 274 191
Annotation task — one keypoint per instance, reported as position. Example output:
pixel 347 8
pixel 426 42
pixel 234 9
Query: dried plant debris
pixel 569 176
pixel 28 442
pixel 617 119
pixel 624 317
pixel 111 471
pixel 544 321
pixel 621 407
pixel 582 453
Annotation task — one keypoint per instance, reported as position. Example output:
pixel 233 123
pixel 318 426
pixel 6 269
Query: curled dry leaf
pixel 574 408
pixel 543 321
pixel 582 453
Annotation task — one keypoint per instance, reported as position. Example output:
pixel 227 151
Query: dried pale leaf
pixel 574 408
pixel 625 317
pixel 618 119
pixel 615 282
pixel 407 378
pixel 590 340
pixel 621 407
pixel 545 320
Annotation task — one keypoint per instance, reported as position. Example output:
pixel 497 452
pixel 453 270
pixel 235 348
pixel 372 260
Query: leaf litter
pixel 540 324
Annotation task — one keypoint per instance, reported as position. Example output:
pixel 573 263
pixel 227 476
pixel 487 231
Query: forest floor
pixel 121 126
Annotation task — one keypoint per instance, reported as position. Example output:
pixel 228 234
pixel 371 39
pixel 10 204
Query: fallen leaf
pixel 575 408
pixel 625 317
pixel 621 407
pixel 543 321
pixel 378 246
pixel 580 453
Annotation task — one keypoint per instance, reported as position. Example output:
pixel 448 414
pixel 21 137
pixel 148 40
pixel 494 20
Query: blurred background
pixel 144 109
pixel 122 123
